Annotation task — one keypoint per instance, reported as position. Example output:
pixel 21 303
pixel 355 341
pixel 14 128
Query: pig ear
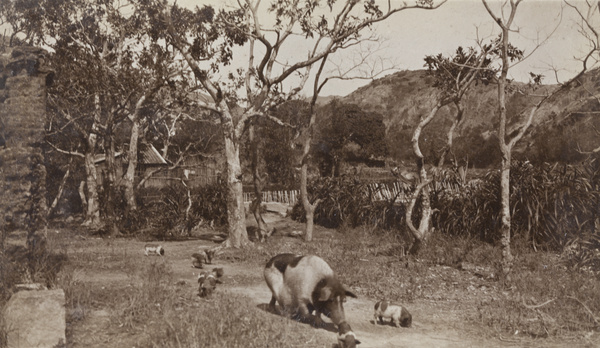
pixel 325 294
pixel 351 294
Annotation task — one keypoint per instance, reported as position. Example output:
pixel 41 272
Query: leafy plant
pixel 171 214
pixel 350 201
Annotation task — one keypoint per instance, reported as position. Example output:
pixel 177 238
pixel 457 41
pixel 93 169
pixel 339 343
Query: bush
pixel 348 201
pixel 169 216
pixel 35 263
pixel 552 206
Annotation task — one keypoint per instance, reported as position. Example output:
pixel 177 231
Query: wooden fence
pixel 378 191
pixel 388 191
pixel 284 196
pixel 194 177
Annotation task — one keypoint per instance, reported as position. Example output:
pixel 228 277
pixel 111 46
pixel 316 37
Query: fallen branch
pixel 596 319
pixel 539 305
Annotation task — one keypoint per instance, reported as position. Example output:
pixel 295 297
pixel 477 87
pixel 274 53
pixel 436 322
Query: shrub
pixel 349 201
pixel 36 263
pixel 550 205
pixel 210 203
pixel 171 215
pixel 467 209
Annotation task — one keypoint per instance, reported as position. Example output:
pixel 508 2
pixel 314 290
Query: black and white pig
pixel 207 281
pixel 202 257
pixel 303 284
pixel 398 315
pixel 154 249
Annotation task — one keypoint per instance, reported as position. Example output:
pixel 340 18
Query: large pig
pixel 303 284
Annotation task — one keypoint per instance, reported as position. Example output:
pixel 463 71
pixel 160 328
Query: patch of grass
pixel 546 299
pixel 165 314
pixel 79 295
pixel 229 321
pixel 145 300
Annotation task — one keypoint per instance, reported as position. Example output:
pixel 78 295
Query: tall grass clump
pixel 230 321
pixel 552 207
pixel 348 201
pixel 148 294
pixel 176 210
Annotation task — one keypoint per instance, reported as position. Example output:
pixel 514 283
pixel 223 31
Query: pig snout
pixel 329 297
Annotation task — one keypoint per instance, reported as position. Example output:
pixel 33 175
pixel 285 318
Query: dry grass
pixel 460 269
pixel 150 306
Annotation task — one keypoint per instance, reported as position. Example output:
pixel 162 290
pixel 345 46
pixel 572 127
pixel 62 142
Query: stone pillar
pixel 22 118
pixel 31 318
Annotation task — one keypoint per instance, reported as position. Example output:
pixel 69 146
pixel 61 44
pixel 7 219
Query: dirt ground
pixel 435 323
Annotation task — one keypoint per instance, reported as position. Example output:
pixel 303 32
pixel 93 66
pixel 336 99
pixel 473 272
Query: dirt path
pixel 435 331
pixel 435 323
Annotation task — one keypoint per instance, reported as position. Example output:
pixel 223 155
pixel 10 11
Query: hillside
pixel 565 121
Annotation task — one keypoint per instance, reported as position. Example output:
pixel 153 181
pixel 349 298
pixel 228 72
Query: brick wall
pixel 22 117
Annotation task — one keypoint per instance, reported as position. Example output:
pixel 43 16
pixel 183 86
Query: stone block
pixel 279 208
pixel 36 319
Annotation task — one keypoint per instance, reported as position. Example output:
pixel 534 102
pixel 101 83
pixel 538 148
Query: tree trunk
pixel 309 209
pixel 236 216
pixel 92 215
pixel 129 177
pixel 421 234
pixel 61 188
pixel 81 190
pixel 505 149
pixel 505 228
pixel 110 184
pixel 262 227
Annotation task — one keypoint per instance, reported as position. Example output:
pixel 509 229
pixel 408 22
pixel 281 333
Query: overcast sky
pixel 408 36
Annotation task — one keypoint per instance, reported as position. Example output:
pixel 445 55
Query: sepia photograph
pixel 299 173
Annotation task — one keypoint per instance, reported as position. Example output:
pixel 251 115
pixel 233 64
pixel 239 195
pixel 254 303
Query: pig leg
pixel 305 314
pixel 272 303
pixel 318 322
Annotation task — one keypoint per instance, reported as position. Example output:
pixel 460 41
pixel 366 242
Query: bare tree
pixel 363 66
pixel 504 18
pixel 588 13
pixel 453 76
pixel 196 37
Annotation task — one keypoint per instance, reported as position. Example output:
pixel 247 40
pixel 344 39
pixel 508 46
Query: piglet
pixel 202 257
pixel 398 315
pixel 207 281
pixel 154 249
pixel 346 338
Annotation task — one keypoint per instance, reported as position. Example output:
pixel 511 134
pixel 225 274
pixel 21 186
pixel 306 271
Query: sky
pixel 408 36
